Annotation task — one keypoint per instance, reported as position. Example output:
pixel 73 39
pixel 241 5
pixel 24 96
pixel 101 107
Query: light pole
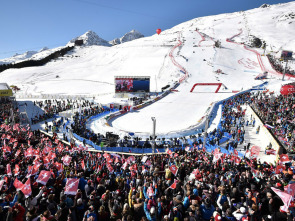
pixel 154 134
pixel 205 131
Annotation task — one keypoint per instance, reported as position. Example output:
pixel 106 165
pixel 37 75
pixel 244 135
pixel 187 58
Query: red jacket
pixel 20 214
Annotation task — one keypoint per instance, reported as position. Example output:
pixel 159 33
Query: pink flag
pixel 196 171
pixel 173 186
pixel 170 153
pixel 8 170
pixel 290 189
pixel 17 153
pixel 124 165
pixel 26 188
pixel 110 168
pixel 254 151
pixel 1 184
pixel 16 169
pixel 59 166
pixel 83 165
pixel 286 198
pixel 71 186
pixel 131 159
pixel 43 177
pixel 279 169
pixel 148 163
pixel 29 152
pixel 270 152
pixel 17 184
pixel 284 158
pixel 66 160
pixel 173 169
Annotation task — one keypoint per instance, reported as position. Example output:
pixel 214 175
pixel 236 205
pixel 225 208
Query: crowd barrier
pixel 57 96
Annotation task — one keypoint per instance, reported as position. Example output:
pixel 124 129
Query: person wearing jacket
pixel 150 215
pixel 207 209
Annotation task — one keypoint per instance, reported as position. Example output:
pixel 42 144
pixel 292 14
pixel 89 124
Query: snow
pixel 90 38
pixel 130 36
pixel 3 86
pixel 89 71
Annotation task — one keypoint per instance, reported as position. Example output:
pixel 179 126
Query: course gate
pixel 217 84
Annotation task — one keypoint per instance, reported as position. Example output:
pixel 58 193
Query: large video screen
pixel 133 84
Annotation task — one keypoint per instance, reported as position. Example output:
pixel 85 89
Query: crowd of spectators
pixel 52 107
pixel 182 185
pixel 79 123
pixel 146 189
pixel 8 111
pixel 277 111
pixel 277 65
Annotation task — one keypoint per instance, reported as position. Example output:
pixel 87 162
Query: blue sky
pixel 33 24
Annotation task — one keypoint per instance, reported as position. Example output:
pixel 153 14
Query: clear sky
pixel 34 24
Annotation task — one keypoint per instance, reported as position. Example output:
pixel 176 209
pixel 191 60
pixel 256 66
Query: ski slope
pixel 183 53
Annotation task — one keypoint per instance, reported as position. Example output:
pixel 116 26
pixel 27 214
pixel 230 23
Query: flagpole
pixel 154 134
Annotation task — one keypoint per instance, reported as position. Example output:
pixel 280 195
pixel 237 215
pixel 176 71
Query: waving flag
pixel 268 126
pixel 284 158
pixel 270 152
pixel 144 159
pixel 29 152
pixel 71 186
pixel 43 177
pixel 131 159
pixel 173 186
pixel 169 152
pixel 286 198
pixel 290 189
pixel 83 165
pixel 173 169
pixel 16 169
pixel 17 184
pixel 8 170
pixel 1 184
pixel 254 151
pixel 148 163
pixel 124 165
pixel 106 155
pixel 279 169
pixel 110 168
pixel 67 160
pixel 26 188
pixel 196 171
pixel 59 167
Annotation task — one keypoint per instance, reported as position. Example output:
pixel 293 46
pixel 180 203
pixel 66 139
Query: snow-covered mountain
pixel 130 36
pixel 90 38
pixel 18 57
pixel 30 55
pixel 165 58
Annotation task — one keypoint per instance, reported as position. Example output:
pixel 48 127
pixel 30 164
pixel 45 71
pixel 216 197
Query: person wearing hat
pixel 241 213
pixel 150 214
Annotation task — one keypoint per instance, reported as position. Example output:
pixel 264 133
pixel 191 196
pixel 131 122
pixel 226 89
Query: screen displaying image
pixel 124 84
pixel 132 85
